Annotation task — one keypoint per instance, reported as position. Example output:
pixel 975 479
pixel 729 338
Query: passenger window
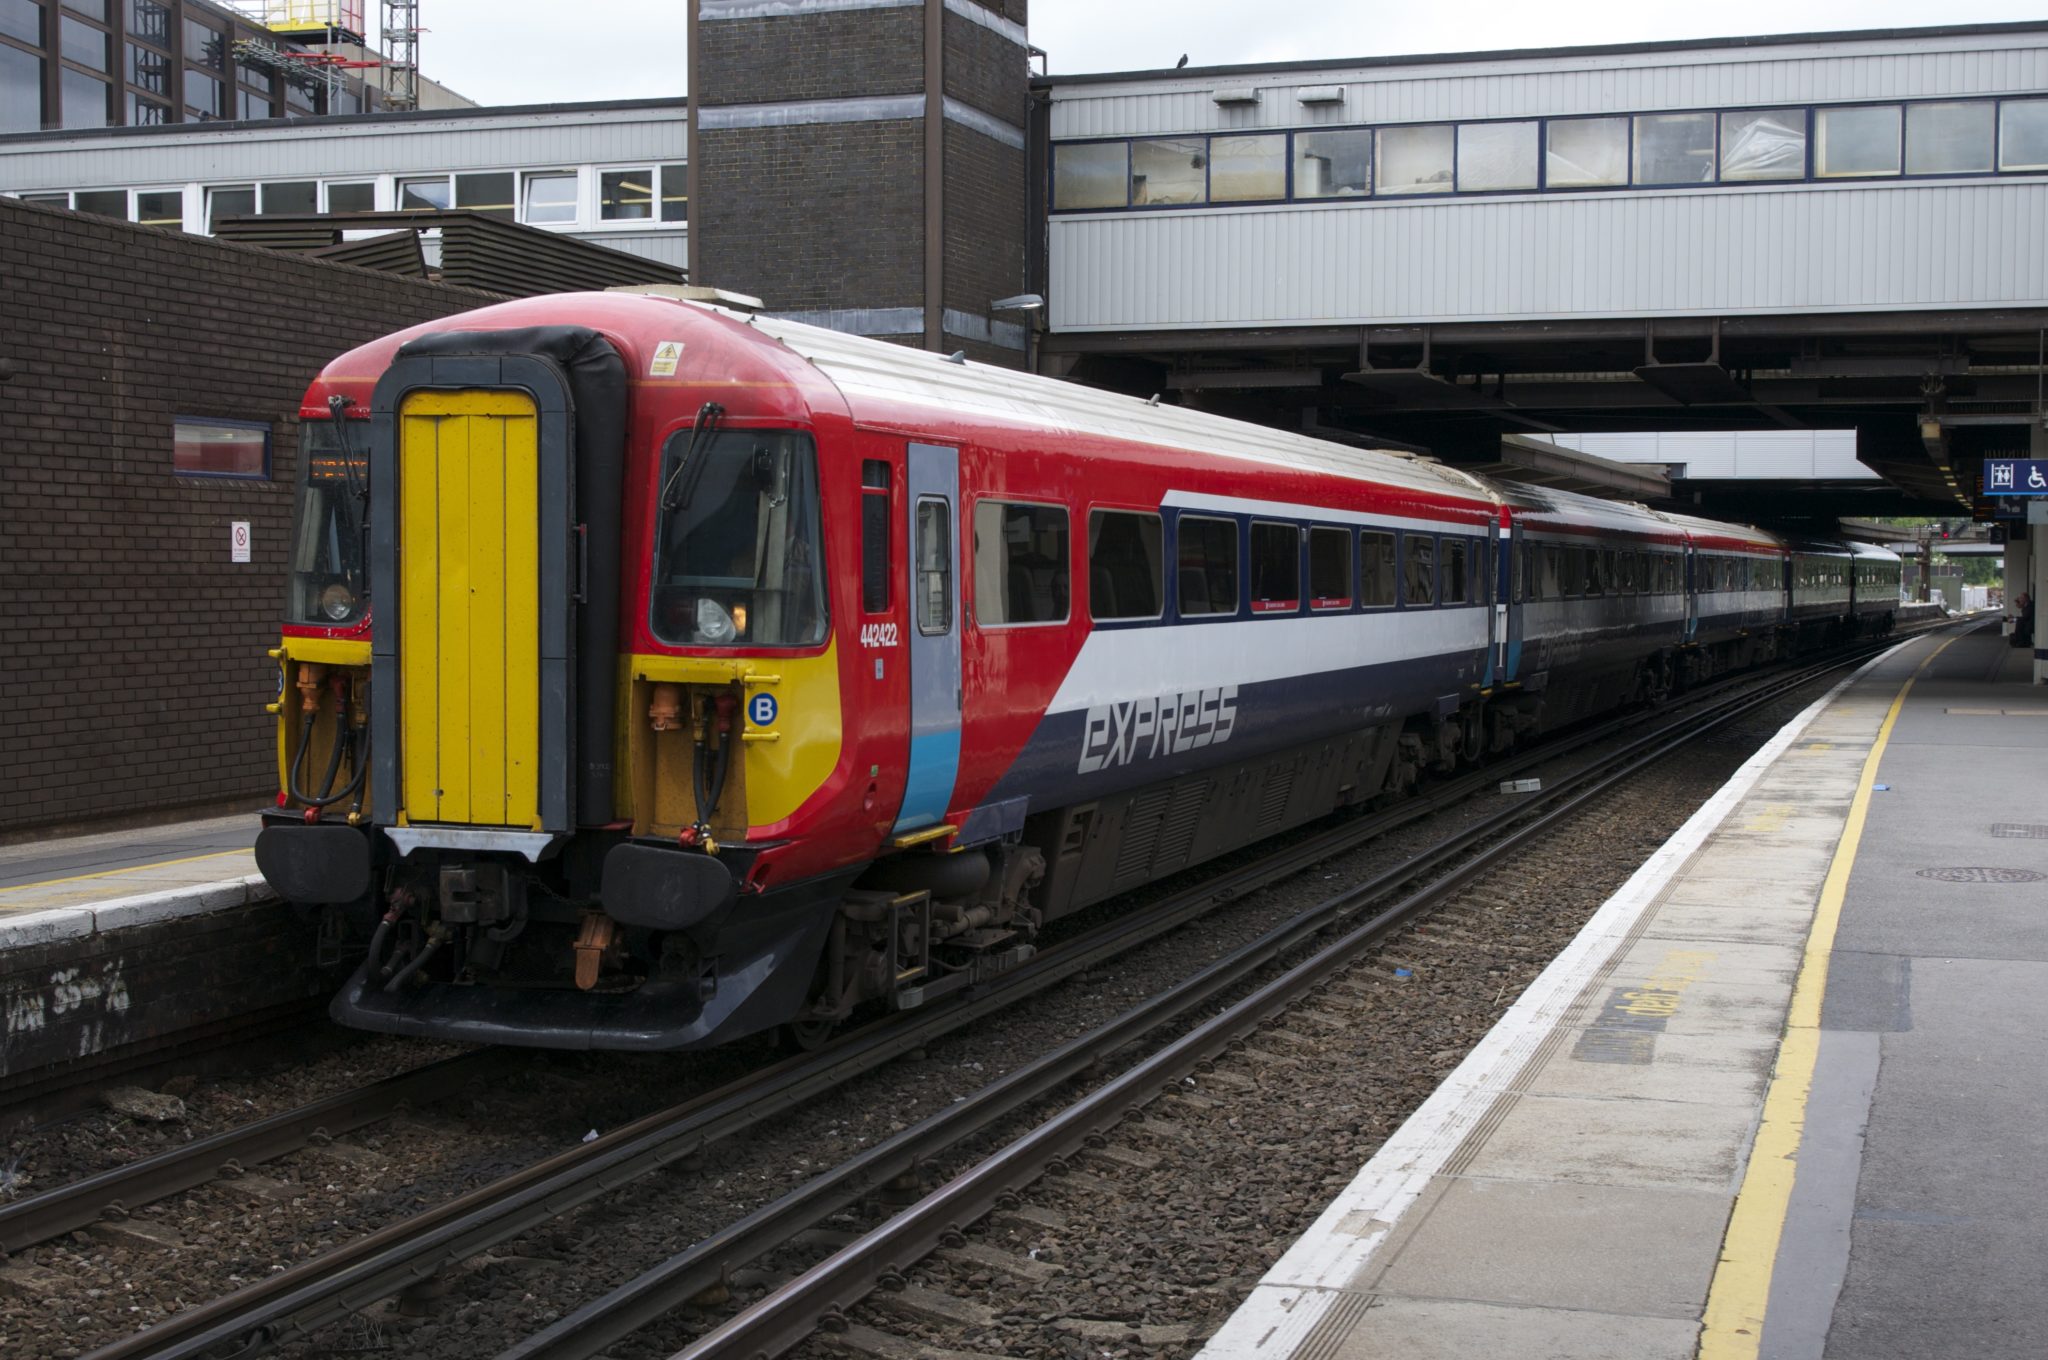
pixel 1276 568
pixel 1556 573
pixel 934 567
pixel 1206 565
pixel 1482 573
pixel 874 537
pixel 1020 563
pixel 1376 570
pixel 1126 560
pixel 1329 568
pixel 1419 569
pixel 1575 572
pixel 1596 571
pixel 1457 588
pixel 1518 558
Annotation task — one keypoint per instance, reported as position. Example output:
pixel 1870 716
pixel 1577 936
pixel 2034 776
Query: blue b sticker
pixel 761 708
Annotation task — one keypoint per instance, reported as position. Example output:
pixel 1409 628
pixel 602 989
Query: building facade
pixel 81 64
pixel 613 173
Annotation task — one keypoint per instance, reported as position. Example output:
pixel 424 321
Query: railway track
pixel 298 1301
pixel 1362 917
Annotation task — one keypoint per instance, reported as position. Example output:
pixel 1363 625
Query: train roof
pixel 1715 533
pixel 871 373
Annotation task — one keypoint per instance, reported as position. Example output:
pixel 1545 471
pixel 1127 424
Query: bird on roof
pixel 1182 62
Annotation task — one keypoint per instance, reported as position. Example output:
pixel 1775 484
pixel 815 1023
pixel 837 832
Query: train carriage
pixel 1874 580
pixel 1599 601
pixel 727 673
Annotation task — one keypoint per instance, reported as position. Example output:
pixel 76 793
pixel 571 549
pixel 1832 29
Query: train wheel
pixel 805 1036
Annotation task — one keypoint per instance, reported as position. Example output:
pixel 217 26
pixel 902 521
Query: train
pixel 730 675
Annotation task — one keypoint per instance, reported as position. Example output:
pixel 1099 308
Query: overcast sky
pixel 540 51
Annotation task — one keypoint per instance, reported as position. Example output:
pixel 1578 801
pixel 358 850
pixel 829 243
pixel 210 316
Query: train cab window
pixel 1456 579
pixel 737 560
pixel 1276 568
pixel 328 583
pixel 1020 563
pixel 1329 568
pixel 934 544
pixel 1418 569
pixel 1376 570
pixel 1126 565
pixel 875 570
pixel 1205 565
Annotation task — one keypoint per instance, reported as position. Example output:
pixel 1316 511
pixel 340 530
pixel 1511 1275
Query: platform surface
pixel 73 871
pixel 1786 1081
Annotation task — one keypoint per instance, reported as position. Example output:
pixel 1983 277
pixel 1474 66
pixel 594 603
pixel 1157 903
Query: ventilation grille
pixel 1273 803
pixel 1141 834
pixel 1177 836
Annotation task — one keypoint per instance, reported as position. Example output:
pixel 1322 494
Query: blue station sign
pixel 2016 476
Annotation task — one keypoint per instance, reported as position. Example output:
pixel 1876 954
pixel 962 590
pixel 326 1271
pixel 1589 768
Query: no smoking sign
pixel 238 541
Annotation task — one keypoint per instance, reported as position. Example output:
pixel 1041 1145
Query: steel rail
pixel 327 1288
pixel 598 1324
pixel 820 1297
pixel 115 1192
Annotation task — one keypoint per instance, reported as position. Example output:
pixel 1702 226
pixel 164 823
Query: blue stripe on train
pixel 928 788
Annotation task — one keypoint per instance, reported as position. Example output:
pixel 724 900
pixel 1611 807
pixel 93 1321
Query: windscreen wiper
pixel 677 490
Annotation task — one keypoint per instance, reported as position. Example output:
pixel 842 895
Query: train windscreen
pixel 737 555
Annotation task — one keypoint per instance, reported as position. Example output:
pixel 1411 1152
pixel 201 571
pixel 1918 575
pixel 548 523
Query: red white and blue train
pixel 729 673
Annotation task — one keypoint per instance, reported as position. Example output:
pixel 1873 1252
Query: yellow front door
pixel 469 608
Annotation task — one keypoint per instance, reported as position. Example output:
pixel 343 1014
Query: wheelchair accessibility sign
pixel 761 710
pixel 2016 476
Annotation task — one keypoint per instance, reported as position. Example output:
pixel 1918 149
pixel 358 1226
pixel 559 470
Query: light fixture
pixel 1022 302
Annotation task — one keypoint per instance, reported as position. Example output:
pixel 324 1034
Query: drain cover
pixel 2019 831
pixel 1983 875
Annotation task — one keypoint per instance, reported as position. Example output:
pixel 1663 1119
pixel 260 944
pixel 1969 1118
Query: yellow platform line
pixel 1733 1325
pixel 115 873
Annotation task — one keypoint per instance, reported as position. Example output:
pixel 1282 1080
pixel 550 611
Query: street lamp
pixel 1031 304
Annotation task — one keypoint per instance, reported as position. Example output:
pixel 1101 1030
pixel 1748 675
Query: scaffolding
pixel 317 21
pixel 399 34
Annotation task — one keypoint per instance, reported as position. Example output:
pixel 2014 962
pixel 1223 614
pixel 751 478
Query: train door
pixel 932 481
pixel 1692 592
pixel 469 608
pixel 1511 588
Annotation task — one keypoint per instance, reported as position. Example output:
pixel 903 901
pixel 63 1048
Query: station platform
pixel 78 871
pixel 1782 1096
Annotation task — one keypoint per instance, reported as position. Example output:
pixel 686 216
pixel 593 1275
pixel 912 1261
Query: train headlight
pixel 714 625
pixel 337 602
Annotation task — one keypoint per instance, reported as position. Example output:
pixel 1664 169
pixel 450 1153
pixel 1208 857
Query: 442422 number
pixel 878 635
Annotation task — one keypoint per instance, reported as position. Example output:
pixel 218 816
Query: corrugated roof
pixel 477 251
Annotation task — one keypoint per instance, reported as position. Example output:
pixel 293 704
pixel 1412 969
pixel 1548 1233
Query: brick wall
pixel 837 54
pixel 814 216
pixel 831 216
pixel 132 666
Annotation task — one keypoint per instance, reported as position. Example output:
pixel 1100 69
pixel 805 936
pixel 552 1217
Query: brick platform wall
pixel 132 666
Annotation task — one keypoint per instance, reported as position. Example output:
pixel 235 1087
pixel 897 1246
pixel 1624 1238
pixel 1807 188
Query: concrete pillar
pixel 2037 544
pixel 2019 571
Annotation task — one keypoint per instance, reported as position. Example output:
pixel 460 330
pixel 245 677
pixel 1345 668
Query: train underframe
pixel 620 942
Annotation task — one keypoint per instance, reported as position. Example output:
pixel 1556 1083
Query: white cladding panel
pixel 1543 86
pixel 312 149
pixel 1795 248
pixel 1803 455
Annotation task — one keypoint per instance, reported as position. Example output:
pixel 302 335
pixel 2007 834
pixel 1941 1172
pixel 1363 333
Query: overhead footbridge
pixel 1820 231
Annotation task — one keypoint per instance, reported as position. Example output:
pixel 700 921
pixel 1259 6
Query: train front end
pixel 561 788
